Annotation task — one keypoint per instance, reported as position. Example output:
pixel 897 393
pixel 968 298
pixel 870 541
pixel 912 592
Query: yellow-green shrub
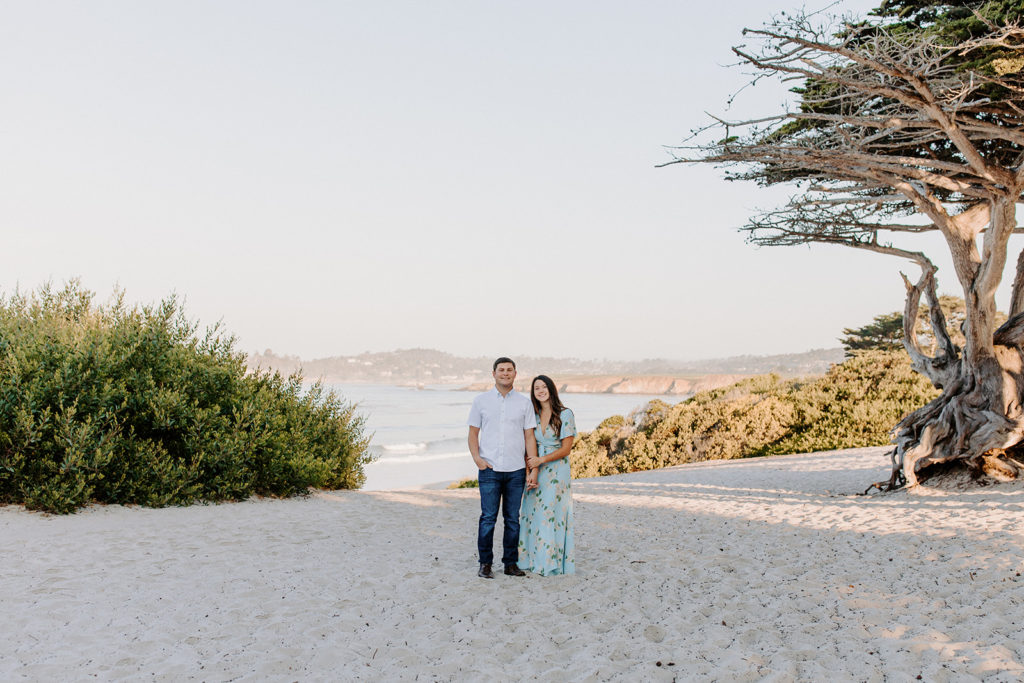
pixel 855 404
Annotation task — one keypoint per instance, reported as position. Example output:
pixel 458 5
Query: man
pixel 501 437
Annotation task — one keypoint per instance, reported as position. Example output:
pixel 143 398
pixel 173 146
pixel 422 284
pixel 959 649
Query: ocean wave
pixel 445 445
pixel 404 447
pixel 406 459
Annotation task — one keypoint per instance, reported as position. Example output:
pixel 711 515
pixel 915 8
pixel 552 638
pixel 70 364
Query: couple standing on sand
pixel 506 431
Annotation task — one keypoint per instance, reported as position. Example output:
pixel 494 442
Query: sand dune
pixel 763 569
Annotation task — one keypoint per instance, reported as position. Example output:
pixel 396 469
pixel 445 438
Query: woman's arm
pixel 561 452
pixel 531 457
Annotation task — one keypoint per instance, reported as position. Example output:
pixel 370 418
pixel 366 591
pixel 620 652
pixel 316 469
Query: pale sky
pixel 477 177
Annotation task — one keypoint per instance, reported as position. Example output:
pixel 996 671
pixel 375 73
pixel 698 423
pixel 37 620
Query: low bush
pixel 129 405
pixel 855 404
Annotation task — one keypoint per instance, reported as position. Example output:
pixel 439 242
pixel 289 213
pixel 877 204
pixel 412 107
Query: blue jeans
pixel 504 489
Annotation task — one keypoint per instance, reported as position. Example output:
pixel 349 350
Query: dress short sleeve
pixel 568 424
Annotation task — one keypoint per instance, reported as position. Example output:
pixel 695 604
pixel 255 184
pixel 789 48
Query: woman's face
pixel 540 391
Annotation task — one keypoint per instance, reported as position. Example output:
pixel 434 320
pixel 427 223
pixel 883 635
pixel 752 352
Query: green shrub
pixel 467 483
pixel 856 403
pixel 130 405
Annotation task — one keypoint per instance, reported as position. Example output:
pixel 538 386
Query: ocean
pixel 419 435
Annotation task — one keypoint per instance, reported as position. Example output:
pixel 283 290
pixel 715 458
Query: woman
pixel 546 529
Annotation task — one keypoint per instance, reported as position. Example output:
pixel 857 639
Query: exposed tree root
pixel 991 468
pixel 978 421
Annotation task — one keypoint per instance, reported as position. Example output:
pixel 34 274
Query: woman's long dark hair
pixel 556 403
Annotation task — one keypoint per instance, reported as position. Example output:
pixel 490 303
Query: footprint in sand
pixel 573 609
pixel 655 634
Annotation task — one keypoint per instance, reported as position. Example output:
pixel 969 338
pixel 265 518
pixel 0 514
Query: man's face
pixel 504 375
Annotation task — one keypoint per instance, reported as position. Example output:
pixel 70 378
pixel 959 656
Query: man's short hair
pixel 501 360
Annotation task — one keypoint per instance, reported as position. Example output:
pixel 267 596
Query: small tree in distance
pixel 885 331
pixel 907 124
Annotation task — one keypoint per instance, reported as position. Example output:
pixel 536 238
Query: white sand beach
pixel 763 569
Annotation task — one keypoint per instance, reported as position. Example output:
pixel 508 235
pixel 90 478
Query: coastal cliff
pixel 669 385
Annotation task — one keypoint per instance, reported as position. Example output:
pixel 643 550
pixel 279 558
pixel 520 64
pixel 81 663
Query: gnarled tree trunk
pixel 979 418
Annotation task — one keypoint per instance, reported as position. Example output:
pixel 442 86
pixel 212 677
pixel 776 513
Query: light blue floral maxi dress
pixel 545 538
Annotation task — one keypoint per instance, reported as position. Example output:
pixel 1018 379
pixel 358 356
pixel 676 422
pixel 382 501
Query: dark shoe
pixel 485 572
pixel 514 570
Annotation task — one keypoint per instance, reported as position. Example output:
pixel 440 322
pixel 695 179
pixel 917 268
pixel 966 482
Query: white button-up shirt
pixel 503 421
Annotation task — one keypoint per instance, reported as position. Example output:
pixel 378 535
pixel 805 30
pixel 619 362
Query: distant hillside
pixel 428 366
pixel 813 362
pixel 668 385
